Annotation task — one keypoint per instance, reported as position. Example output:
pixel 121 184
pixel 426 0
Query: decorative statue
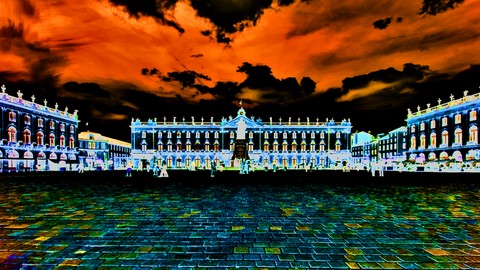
pixel 241 128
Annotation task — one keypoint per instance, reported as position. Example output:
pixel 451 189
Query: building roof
pixel 88 135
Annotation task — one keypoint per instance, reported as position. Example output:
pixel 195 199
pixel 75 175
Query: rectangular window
pixel 422 126
pixel 458 118
pixel 432 124
pixel 444 122
pixel 473 115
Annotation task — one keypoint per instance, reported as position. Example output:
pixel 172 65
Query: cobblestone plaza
pixel 146 223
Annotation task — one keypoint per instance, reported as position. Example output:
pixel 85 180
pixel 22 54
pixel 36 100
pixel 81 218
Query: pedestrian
pixel 213 169
pixel 163 172
pixel 80 167
pixel 129 169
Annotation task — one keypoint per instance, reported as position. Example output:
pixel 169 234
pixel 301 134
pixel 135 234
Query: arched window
pixel 207 146
pixel 304 135
pixel 52 125
pixel 40 138
pixel 266 146
pixel 179 145
pixel 312 146
pixel 26 120
pixel 72 129
pixel 71 142
pixel 216 146
pixel 433 139
pixel 284 146
pixel 159 135
pixel 265 135
pixel 250 146
pixel 62 127
pixel 322 146
pixel 337 145
pixel 189 146
pixel 188 135
pixel 413 142
pixel 26 136
pixel 294 146
pixel 232 134
pixel 312 135
pixel 285 135
pixel 179 135
pixel 12 134
pixel 144 134
pixel 275 145
pixel 232 145
pixel 445 138
pixel 275 135
pixel 160 146
pixel 338 135
pixel 40 122
pixel 458 136
pixel 303 146
pixel 62 141
pixel 51 139
pixel 322 135
pixel 422 141
pixel 197 135
pixel 473 134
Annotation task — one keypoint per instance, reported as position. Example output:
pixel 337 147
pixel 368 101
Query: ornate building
pixel 98 150
pixel 34 134
pixel 286 143
pixel 447 131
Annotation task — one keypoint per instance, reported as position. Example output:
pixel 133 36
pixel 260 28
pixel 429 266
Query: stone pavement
pixel 139 223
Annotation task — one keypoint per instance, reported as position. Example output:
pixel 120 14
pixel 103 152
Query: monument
pixel 240 152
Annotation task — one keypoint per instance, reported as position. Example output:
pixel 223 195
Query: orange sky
pixel 95 41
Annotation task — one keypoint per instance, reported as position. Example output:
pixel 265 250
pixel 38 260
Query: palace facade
pixel 284 144
pixel 445 132
pixel 35 136
pixel 97 150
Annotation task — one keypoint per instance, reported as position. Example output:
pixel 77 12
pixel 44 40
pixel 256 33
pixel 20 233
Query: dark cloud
pixel 271 89
pixel 151 8
pixel 433 7
pixel 27 7
pixel 40 60
pixel 382 23
pixel 411 72
pixel 186 78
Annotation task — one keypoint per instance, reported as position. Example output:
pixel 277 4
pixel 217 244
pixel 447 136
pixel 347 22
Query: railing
pixel 29 104
pixel 444 105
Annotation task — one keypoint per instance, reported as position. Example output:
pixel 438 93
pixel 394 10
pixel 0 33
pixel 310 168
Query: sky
pixel 364 60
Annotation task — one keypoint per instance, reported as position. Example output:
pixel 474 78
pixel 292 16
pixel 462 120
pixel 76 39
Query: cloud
pixel 434 7
pixel 186 78
pixel 160 10
pixel 382 23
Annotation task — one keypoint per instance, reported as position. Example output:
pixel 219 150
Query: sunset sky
pixel 367 60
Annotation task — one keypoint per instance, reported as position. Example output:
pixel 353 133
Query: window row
pixel 457 139
pixel 12 137
pixel 40 122
pixel 251 135
pixel 266 146
pixel 444 121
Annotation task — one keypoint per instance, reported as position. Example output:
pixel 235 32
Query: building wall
pixel 288 144
pixel 454 125
pixel 32 134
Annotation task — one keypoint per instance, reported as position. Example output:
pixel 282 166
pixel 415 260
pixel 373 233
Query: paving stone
pixel 125 225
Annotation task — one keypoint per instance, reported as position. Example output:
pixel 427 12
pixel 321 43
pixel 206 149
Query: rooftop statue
pixel 241 128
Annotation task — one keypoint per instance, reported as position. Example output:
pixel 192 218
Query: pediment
pixel 250 123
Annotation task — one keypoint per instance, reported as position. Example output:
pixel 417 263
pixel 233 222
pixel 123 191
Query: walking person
pixel 163 172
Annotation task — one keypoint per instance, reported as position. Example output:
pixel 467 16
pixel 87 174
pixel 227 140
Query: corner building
pixel 34 134
pixel 286 144
pixel 447 131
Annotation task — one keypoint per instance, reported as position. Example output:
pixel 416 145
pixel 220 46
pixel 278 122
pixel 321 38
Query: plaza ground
pixel 286 219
